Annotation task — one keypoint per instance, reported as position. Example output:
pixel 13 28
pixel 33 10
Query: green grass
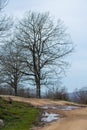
pixel 17 115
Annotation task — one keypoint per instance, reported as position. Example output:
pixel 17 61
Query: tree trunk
pixel 16 93
pixel 36 73
pixel 38 91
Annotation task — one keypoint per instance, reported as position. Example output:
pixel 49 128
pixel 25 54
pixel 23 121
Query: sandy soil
pixel 36 102
pixel 72 119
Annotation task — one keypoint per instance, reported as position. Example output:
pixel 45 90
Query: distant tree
pixel 45 45
pixel 80 95
pixel 11 66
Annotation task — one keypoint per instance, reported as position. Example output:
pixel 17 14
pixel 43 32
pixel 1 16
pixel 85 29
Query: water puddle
pixel 48 106
pixel 70 107
pixel 48 117
pixel 60 107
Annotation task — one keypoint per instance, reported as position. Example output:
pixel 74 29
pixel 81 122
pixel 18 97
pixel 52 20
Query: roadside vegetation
pixel 17 115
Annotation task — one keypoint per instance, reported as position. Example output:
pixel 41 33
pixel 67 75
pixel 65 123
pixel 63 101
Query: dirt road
pixel 75 119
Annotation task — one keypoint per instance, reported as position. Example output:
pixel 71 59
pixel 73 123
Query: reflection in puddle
pixel 48 106
pixel 70 107
pixel 60 107
pixel 48 117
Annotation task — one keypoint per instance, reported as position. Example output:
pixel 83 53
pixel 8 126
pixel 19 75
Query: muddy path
pixel 65 115
pixel 75 119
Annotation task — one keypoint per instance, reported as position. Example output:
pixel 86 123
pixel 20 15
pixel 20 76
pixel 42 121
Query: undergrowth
pixel 17 115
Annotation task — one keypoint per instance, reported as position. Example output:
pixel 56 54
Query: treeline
pixel 58 93
pixel 53 93
pixel 22 92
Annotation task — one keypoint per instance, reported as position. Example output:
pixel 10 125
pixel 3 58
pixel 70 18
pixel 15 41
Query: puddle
pixel 48 117
pixel 48 106
pixel 70 107
pixel 60 107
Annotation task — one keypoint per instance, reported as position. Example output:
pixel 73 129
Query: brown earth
pixel 72 119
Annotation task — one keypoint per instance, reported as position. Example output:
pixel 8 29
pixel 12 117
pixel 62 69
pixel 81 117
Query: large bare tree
pixel 45 45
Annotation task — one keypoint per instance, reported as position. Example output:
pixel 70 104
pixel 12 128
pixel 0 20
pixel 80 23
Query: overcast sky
pixel 74 15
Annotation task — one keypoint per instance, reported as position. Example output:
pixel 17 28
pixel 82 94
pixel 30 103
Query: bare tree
pixel 5 22
pixel 5 31
pixel 3 4
pixel 11 66
pixel 45 45
pixel 57 92
pixel 80 95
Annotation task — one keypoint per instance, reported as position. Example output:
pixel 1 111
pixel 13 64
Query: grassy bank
pixel 17 115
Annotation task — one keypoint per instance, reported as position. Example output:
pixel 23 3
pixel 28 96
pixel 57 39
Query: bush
pixel 57 93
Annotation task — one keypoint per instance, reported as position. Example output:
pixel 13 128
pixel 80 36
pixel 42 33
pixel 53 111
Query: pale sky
pixel 74 15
